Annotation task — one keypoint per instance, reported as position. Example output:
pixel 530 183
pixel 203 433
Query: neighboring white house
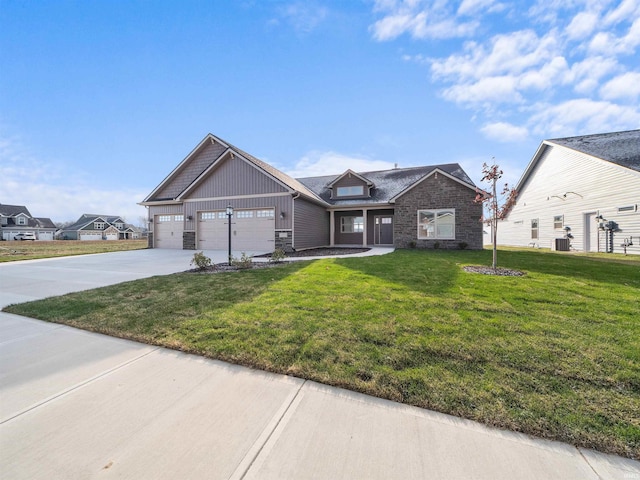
pixel 99 227
pixel 586 188
pixel 16 219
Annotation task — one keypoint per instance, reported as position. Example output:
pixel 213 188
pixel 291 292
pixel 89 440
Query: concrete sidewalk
pixel 75 404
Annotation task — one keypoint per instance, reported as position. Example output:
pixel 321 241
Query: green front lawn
pixel 555 353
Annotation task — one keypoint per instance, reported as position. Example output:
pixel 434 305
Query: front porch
pixel 366 227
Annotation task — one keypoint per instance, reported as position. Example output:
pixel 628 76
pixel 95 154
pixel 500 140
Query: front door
pixel 383 230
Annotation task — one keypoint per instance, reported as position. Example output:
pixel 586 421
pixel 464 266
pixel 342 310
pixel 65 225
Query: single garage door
pixel 45 235
pixel 90 236
pixel 251 230
pixel 111 236
pixel 168 231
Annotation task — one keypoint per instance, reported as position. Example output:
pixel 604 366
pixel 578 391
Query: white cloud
pixel 50 190
pixel 317 164
pixel 504 132
pixel 583 115
pixel 304 17
pixel 626 85
pixel 572 70
pixel 582 25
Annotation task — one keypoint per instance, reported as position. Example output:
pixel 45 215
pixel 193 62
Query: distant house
pixel 16 219
pixel 425 207
pixel 99 227
pixel 583 191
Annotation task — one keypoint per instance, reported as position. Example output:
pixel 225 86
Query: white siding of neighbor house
pixel 599 188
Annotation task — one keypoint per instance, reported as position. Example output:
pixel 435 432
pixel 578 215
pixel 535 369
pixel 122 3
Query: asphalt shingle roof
pixel 387 183
pixel 622 148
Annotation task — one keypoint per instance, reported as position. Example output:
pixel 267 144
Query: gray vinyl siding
pixel 347 238
pixel 209 154
pixel 281 204
pixel 591 186
pixel 311 225
pixel 236 177
pixel 350 181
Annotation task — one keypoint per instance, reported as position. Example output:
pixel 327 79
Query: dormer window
pixel 98 225
pixel 352 191
pixel 21 221
pixel 119 225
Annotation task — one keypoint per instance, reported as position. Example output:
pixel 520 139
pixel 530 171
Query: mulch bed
pixel 503 272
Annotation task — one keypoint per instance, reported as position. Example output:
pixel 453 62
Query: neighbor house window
pixel 352 224
pixel 534 229
pixel 98 226
pixel 119 225
pixel 558 221
pixel 437 224
pixel 22 221
pixel 354 191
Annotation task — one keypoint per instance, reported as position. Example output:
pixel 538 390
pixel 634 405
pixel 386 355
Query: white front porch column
pixel 364 224
pixel 332 229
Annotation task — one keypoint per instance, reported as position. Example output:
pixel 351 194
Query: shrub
pixel 436 245
pixel 243 263
pixel 277 256
pixel 201 261
pixel 463 245
pixel 412 244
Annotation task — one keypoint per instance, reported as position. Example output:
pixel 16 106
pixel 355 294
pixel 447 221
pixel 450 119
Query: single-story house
pixel 15 219
pixel 581 193
pixel 99 227
pixel 425 207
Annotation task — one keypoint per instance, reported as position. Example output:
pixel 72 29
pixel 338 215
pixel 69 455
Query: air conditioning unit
pixel 561 244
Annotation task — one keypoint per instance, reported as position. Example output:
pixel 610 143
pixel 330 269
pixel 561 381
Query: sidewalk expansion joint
pixel 254 453
pixel 77 386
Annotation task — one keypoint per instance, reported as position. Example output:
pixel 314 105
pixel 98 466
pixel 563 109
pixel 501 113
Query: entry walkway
pixel 75 404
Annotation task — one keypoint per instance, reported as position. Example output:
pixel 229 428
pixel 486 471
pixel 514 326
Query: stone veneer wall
pixel 435 193
pixel 150 240
pixel 188 240
pixel 284 243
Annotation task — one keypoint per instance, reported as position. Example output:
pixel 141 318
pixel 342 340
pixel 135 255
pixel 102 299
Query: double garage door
pixel 251 230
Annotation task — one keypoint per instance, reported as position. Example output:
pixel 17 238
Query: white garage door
pixel 111 236
pixel 90 236
pixel 45 235
pixel 251 230
pixel 168 231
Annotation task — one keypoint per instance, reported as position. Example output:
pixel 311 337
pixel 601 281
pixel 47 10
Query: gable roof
pixel 88 218
pixel 389 184
pixel 197 176
pixel 350 172
pixel 622 148
pixel 13 210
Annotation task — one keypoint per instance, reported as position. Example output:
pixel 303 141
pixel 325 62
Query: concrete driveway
pixel 80 405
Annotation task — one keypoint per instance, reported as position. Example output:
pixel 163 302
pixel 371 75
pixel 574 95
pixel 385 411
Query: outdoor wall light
pixel 189 217
pixel 281 215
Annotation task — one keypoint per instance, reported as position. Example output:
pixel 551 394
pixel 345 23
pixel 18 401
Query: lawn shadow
pixel 426 271
pixel 578 267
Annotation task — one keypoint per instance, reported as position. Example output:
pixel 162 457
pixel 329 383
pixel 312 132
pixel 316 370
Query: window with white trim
pixel 437 224
pixel 119 225
pixel 534 228
pixel 627 208
pixel 558 222
pixel 352 191
pixel 98 225
pixel 351 224
pixel 22 221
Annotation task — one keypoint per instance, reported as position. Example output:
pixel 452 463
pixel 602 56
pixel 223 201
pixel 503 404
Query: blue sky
pixel 100 100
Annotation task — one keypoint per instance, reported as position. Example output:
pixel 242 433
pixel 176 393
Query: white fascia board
pixel 208 138
pixel 433 172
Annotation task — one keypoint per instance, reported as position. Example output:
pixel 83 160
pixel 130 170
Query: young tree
pixel 495 207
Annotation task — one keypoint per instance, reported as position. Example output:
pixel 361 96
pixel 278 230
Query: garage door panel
pixel 251 230
pixel 168 231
